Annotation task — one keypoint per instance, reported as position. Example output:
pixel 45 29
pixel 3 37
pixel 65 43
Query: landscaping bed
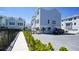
pixel 37 45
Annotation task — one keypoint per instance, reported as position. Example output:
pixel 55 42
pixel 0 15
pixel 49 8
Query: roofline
pixel 70 16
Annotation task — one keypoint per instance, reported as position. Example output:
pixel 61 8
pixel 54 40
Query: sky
pixel 27 12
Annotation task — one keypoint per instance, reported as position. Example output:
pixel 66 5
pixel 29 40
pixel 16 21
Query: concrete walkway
pixel 20 44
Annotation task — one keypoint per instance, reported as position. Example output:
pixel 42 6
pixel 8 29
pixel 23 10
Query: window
pixel 53 22
pixel 62 20
pixel 1 17
pixel 74 23
pixel 78 17
pixel 31 23
pixel 70 19
pixel 20 24
pixel 48 21
pixel 49 28
pixel 37 12
pixel 0 20
pixel 74 18
pixel 11 18
pixel 66 19
pixel 6 22
pixel 37 21
pixel 11 23
pixel 68 24
pixel 20 18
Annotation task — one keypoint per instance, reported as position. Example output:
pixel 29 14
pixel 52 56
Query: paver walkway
pixel 20 44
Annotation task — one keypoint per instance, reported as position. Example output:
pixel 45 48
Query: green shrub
pixel 39 46
pixel 63 49
pixel 50 48
pixel 36 45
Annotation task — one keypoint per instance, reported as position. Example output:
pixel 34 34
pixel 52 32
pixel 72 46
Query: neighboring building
pixel 44 21
pixel 71 24
pixel 11 22
pixel 33 24
pixel 28 27
pixel 2 21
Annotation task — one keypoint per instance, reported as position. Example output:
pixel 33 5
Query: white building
pixel 71 24
pixel 44 20
pixel 12 22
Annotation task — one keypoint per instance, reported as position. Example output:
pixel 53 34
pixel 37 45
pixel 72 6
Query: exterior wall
pixel 18 23
pixel 11 20
pixel 75 27
pixel 52 16
pixel 46 19
pixel 33 24
pixel 21 24
pixel 12 23
pixel 3 21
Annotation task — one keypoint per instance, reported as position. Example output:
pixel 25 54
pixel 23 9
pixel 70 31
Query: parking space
pixel 69 41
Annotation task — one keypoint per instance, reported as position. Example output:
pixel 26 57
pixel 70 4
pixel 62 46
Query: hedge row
pixel 37 45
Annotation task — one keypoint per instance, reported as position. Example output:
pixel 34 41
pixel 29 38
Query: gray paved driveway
pixel 69 41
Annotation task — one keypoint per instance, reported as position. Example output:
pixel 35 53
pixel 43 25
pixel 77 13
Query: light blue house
pixel 44 20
